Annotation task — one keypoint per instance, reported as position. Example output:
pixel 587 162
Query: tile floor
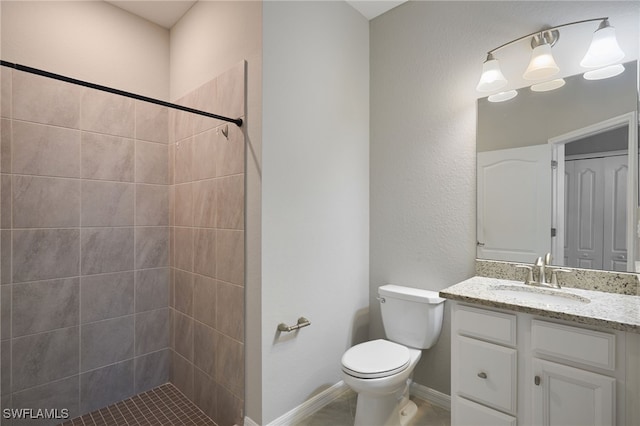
pixel 342 412
pixel 161 406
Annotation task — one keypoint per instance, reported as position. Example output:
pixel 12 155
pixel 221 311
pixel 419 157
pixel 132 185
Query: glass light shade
pixel 491 78
pixel 548 85
pixel 503 96
pixel 542 65
pixel 606 72
pixel 604 49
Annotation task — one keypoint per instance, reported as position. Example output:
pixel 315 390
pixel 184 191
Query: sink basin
pixel 540 295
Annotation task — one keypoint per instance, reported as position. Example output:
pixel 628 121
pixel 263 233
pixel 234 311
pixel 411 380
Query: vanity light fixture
pixel 602 55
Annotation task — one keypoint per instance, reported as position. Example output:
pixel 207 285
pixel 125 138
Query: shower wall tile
pixel 230 364
pixel 152 161
pixel 45 202
pixel 183 204
pixel 183 335
pixel 230 202
pixel 204 300
pixel 45 254
pixel 45 357
pixel 5 200
pixel 107 157
pixel 229 408
pixel 205 393
pixel 152 370
pixel 107 113
pixel 44 100
pixel 204 252
pixel 106 296
pixel 5 146
pixel 45 305
pixel 45 150
pixel 204 98
pixel 184 249
pixel 172 164
pixel 205 348
pixel 5 367
pixel 152 122
pixel 204 155
pixel 183 161
pixel 107 250
pixel 106 342
pixel 5 312
pixel 231 91
pixel 229 157
pixel 184 292
pixel 152 289
pixel 96 395
pixel 5 92
pixel 55 395
pixel 183 121
pixel 152 205
pixel 5 258
pixel 152 331
pixel 205 203
pixel 230 310
pixel 107 203
pixel 152 247
pixel 182 374
pixel 230 256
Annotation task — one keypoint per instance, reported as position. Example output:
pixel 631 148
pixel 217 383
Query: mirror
pixel 583 208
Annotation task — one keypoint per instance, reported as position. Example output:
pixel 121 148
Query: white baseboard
pixel 431 395
pixel 311 405
pixel 249 422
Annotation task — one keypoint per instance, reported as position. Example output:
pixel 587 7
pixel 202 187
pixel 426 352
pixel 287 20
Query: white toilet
pixel 380 370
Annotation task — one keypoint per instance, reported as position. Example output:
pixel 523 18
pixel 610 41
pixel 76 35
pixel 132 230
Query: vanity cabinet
pixel 512 369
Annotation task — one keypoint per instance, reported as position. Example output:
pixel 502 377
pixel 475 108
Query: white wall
pixel 315 195
pixel 88 40
pixel 426 59
pixel 210 38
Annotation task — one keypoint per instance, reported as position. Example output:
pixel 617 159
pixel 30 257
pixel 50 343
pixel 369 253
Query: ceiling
pixel 167 12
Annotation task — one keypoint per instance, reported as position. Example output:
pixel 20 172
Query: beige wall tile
pixel 183 161
pixel 229 155
pixel 182 374
pixel 231 91
pixel 152 205
pixel 204 259
pixel 45 150
pixel 152 247
pixel 184 204
pixel 43 202
pixel 5 92
pixel 204 300
pixel 152 163
pixel 5 201
pixel 107 250
pixel 183 335
pixel 204 203
pixel 107 203
pixel 205 393
pixel 45 253
pixel 107 157
pixel 152 122
pixel 230 202
pixel 184 292
pixel 230 310
pixel 230 256
pixel 184 249
pixel 205 348
pixel 204 155
pixel 205 99
pixel 230 364
pixel 5 146
pixel 107 113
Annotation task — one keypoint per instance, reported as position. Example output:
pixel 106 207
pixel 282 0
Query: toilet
pixel 380 371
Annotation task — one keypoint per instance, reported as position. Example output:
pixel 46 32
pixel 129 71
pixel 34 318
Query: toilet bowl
pixel 380 370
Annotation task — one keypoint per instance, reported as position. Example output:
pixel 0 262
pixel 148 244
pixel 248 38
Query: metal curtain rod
pixel 236 121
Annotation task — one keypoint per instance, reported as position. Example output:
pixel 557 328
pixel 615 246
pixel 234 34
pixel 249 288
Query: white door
pixel 596 213
pixel 514 216
pixel 567 396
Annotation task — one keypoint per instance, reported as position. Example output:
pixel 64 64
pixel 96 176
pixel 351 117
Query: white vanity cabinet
pixel 512 368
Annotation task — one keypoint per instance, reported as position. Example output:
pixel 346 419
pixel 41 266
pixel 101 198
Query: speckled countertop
pixel 611 310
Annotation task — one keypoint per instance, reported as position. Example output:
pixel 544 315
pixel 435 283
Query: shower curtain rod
pixel 236 121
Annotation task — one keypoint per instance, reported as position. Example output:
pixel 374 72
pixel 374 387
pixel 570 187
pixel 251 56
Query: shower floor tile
pixel 164 405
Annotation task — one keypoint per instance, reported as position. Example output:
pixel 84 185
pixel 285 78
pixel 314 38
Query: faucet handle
pixel 547 259
pixel 529 269
pixel 554 275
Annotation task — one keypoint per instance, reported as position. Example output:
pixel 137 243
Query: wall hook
pixel 224 130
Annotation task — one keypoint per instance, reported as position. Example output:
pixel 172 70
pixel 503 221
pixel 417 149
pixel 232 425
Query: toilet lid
pixel 374 359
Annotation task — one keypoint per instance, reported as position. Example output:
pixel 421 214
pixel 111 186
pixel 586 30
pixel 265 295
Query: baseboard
pixel 310 406
pixel 249 422
pixel 431 395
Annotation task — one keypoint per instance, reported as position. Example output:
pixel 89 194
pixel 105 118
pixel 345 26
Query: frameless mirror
pixel 558 172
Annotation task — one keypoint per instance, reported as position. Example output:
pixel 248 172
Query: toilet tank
pixel 411 316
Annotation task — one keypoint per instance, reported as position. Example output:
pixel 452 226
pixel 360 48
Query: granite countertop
pixel 610 310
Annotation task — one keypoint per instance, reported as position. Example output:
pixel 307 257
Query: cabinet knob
pixel 482 375
pixel 536 380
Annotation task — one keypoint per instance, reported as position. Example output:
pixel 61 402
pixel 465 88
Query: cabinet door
pixel 567 396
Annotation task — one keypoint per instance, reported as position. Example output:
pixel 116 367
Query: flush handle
pixel 381 299
pixel 482 375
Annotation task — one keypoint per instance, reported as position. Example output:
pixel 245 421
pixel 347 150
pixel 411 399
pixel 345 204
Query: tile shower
pixel 122 247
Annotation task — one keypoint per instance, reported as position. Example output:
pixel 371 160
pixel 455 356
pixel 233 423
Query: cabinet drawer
pixel 496 327
pixel 594 348
pixel 466 412
pixel 487 373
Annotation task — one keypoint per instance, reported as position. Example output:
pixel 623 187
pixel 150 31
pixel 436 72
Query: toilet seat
pixel 375 359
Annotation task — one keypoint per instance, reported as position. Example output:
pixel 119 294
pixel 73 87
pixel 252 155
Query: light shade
pixel 548 85
pixel 503 96
pixel 604 49
pixel 606 72
pixel 542 65
pixel 491 78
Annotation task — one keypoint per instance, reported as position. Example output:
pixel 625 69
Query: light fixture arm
pixel 543 34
